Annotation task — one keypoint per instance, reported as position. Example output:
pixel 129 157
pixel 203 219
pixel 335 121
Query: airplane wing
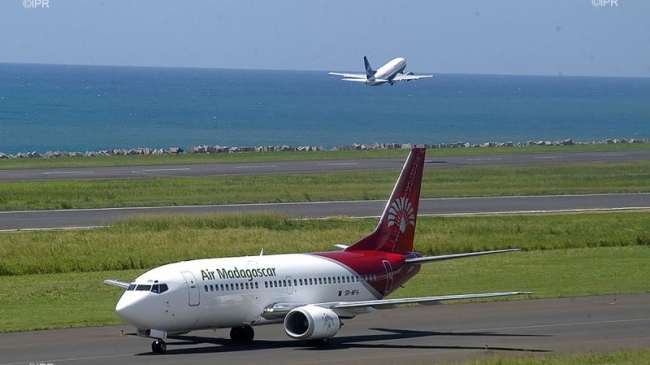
pixel 350 76
pixel 392 303
pixel 422 260
pixel 121 284
pixel 352 309
pixel 409 77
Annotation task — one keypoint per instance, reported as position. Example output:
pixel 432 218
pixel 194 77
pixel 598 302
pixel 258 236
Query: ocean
pixel 93 108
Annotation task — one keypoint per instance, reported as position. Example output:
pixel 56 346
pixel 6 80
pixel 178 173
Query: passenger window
pixel 211 287
pixel 256 285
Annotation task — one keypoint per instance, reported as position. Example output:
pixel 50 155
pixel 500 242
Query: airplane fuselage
pixel 229 292
pixel 387 72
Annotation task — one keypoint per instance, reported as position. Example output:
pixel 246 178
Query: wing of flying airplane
pixel 350 77
pixel 409 77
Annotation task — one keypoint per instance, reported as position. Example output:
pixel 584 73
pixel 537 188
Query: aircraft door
pixel 289 285
pixel 192 287
pixel 389 275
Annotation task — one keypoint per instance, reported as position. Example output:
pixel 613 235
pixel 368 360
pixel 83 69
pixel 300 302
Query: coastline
pixel 140 151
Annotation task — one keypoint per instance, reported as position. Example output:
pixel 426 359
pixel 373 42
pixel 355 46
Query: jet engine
pixel 311 323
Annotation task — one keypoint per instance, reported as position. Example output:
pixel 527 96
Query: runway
pixel 315 166
pixel 411 335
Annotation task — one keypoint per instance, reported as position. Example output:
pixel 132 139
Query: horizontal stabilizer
pixel 354 80
pixel 422 260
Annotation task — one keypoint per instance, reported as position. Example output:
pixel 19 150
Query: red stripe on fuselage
pixel 384 271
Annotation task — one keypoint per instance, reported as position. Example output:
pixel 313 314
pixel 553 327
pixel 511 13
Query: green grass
pixel 128 244
pixel 45 301
pixel 621 357
pixel 46 274
pixel 299 156
pixel 586 178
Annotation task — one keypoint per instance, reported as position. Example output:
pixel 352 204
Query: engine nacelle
pixel 311 323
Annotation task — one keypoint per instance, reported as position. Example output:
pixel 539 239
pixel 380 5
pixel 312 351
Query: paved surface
pixel 48 219
pixel 301 167
pixel 412 335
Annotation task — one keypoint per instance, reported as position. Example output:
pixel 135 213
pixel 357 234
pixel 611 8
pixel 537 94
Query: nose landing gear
pixel 159 347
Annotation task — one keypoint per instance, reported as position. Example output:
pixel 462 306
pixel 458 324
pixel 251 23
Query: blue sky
pixel 550 37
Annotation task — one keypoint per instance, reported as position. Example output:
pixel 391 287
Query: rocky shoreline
pixel 286 148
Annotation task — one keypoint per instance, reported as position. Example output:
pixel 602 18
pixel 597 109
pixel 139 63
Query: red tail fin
pixel 396 229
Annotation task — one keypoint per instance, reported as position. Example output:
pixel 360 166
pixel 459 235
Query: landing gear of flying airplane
pixel 242 335
pixel 159 347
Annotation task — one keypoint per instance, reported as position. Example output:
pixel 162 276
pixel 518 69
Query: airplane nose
pixel 129 310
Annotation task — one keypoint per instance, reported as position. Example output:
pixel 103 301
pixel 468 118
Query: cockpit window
pixel 155 288
pixel 159 288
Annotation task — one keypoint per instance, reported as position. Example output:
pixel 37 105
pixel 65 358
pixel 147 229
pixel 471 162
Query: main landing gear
pixel 159 347
pixel 242 335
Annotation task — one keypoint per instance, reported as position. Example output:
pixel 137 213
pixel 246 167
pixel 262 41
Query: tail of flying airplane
pixel 370 74
pixel 396 229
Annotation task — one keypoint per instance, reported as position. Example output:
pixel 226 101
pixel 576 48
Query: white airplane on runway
pixel 388 73
pixel 308 293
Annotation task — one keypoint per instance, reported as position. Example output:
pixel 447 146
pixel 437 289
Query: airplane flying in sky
pixel 388 73
pixel 310 293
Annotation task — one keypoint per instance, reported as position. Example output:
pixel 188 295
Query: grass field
pixel 585 178
pixel 577 254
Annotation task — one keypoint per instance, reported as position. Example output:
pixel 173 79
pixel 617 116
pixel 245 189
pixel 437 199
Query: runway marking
pixel 338 164
pixel 154 170
pixel 68 172
pixel 555 325
pixel 256 167
pixel 70 359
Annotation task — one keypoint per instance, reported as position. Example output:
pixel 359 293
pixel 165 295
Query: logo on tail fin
pixel 401 213
pixel 370 74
